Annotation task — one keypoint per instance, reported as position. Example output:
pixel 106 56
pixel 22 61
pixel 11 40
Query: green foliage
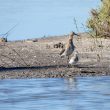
pixel 99 22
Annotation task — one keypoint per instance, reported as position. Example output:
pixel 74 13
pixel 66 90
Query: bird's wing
pixel 76 59
pixel 62 51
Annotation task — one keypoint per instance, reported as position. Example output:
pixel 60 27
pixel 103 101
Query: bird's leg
pixel 68 61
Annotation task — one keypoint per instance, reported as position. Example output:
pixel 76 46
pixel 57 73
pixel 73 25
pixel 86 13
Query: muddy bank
pixel 52 72
pixel 15 73
pixel 41 60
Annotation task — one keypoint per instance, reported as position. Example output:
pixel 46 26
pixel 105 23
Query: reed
pixel 99 21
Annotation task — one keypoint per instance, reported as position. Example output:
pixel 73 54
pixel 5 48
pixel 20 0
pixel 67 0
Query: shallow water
pixel 90 93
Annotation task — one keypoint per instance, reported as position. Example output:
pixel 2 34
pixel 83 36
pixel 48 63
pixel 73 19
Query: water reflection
pixel 71 83
pixel 51 94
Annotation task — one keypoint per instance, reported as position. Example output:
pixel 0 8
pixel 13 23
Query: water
pixel 55 94
pixel 37 18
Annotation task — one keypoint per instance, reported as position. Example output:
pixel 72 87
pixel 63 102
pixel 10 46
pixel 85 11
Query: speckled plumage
pixel 68 50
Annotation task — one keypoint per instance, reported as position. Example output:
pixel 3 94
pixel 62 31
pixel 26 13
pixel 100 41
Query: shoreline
pixel 54 71
pixel 28 59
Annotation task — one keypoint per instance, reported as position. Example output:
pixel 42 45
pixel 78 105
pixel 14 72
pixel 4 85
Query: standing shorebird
pixel 69 48
pixel 74 59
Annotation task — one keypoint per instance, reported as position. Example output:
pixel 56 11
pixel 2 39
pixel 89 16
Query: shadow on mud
pixel 45 67
pixel 31 67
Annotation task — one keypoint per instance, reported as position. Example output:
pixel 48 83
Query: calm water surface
pixel 55 94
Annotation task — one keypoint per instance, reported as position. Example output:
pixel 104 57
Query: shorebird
pixel 69 48
pixel 74 59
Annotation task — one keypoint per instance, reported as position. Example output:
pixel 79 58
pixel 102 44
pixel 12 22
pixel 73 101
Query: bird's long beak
pixel 76 34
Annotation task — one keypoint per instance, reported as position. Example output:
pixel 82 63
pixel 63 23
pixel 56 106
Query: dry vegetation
pixel 99 22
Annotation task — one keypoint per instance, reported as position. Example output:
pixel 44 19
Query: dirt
pixel 28 59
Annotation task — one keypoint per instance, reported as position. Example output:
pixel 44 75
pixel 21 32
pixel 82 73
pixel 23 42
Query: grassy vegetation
pixel 99 21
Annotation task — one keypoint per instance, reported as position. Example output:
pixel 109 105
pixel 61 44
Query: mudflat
pixel 28 59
